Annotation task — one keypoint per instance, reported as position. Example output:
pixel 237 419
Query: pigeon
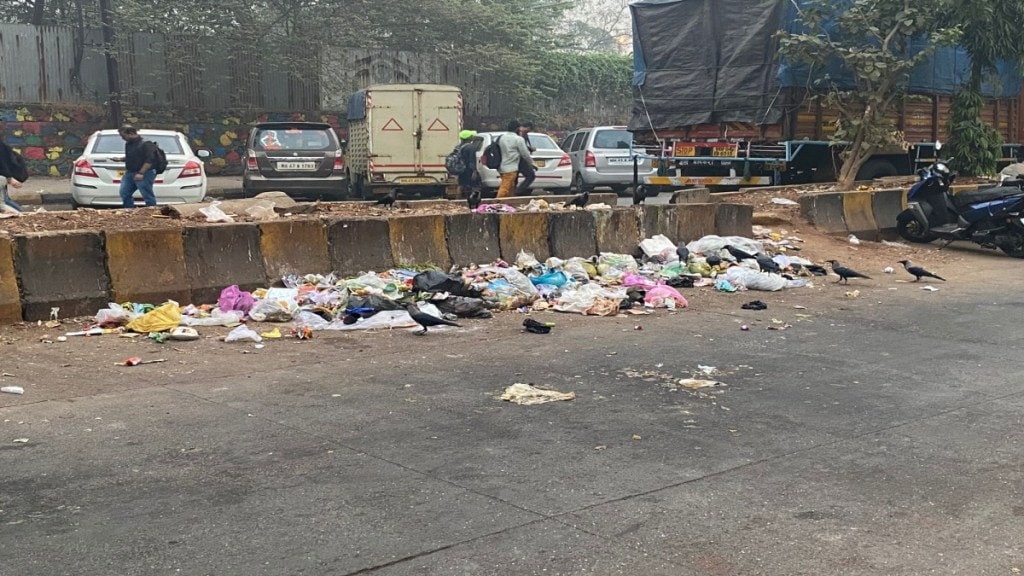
pixel 684 254
pixel 919 272
pixel 768 265
pixel 845 273
pixel 388 200
pixel 581 200
pixel 739 254
pixel 425 320
pixel 639 195
pixel 473 200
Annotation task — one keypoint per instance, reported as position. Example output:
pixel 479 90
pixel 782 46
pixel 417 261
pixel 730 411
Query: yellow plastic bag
pixel 166 317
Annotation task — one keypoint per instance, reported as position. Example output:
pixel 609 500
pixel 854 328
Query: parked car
pixel 301 159
pixel 554 169
pixel 601 157
pixel 96 178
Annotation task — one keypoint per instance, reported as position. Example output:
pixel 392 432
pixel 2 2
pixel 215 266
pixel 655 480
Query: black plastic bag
pixel 437 281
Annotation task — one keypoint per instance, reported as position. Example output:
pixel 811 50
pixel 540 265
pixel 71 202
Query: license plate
pixel 539 163
pixel 618 160
pixel 416 180
pixel 296 165
pixel 120 173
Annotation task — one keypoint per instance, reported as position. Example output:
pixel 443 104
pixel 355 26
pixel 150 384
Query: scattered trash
pixel 213 213
pixel 784 202
pixel 892 244
pixel 243 334
pixel 13 390
pixel 135 361
pixel 275 333
pixel 535 327
pixel 755 305
pixel 20 440
pixel 637 437
pixel 696 383
pixel 853 240
pixel 184 333
pixel 92 332
pixel 161 319
pixel 526 395
pixel 930 288
pixel 707 370
pixel 888 270
pixel 302 332
pixel 744 327
pixel 853 294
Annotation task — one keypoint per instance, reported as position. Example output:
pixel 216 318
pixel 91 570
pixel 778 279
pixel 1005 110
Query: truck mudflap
pixel 706 180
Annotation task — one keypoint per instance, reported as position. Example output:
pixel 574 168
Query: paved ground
pixel 878 435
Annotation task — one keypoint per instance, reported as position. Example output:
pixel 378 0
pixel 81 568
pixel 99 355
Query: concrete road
pixel 54 193
pixel 878 435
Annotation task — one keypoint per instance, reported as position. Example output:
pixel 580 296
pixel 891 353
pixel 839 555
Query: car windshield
pixel 620 139
pixel 542 141
pixel 113 144
pixel 293 139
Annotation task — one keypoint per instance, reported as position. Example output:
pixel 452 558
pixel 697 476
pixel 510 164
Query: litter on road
pixel 527 395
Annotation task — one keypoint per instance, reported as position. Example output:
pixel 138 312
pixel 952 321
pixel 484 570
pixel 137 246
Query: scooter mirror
pixel 938 145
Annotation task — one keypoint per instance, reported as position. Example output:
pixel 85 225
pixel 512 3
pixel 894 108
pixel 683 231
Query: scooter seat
pixel 968 197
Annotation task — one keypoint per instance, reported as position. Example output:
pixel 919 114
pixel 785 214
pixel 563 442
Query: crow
pixel 684 254
pixel 639 195
pixel 425 320
pixel 473 200
pixel 845 273
pixel 388 200
pixel 768 265
pixel 919 272
pixel 581 200
pixel 739 254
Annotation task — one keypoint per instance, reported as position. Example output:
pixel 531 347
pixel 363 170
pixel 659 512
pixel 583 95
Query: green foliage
pixel 975 145
pixel 570 86
pixel 868 39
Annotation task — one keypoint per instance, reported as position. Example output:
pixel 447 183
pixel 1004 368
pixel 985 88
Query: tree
pixel 599 26
pixel 870 41
pixel 991 33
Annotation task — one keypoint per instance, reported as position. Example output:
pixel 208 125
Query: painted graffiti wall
pixel 48 135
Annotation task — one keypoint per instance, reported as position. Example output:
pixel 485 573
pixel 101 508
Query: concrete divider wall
pixel 81 271
pixel 866 214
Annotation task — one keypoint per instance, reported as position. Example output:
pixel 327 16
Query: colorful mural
pixel 48 135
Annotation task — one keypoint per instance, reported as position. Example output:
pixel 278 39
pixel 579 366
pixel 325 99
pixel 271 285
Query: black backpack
pixel 454 162
pixel 492 155
pixel 159 159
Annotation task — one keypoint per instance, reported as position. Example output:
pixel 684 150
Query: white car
pixel 554 167
pixel 96 178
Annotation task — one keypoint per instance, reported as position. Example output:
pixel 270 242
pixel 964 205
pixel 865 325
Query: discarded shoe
pixel 755 305
pixel 535 327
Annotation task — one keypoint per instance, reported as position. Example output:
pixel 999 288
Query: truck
pixel 398 137
pixel 716 103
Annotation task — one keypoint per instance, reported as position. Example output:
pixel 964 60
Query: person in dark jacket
pixel 139 156
pixel 526 169
pixel 9 174
pixel 469 179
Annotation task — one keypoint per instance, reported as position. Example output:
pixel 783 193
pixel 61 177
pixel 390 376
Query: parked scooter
pixel 993 217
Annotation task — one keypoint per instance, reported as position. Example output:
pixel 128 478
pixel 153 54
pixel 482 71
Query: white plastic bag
pixel 216 318
pixel 114 315
pixel 243 334
pixel 711 244
pixel 657 245
pixel 213 213
pixel 273 310
pixel 583 298
pixel 526 260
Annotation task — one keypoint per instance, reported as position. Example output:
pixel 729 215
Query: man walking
pixel 526 169
pixel 513 151
pixel 469 179
pixel 139 173
pixel 12 174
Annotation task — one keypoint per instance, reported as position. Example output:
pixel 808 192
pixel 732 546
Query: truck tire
pixel 876 169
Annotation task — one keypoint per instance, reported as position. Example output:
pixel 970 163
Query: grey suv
pixel 302 159
pixel 602 156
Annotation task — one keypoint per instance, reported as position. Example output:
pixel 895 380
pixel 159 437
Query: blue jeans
pixel 145 186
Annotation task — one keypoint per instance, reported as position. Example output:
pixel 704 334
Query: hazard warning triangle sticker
pixel 437 126
pixel 392 126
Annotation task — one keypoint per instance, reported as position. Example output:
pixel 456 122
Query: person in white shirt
pixel 513 149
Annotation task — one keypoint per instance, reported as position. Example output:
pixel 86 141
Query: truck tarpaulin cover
pixel 357 106
pixel 705 62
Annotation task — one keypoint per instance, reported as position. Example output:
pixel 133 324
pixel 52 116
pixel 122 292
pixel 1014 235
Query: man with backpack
pixel 12 173
pixel 526 169
pixel 140 158
pixel 513 151
pixel 463 165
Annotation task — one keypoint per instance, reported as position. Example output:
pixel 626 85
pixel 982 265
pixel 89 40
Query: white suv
pixel 603 156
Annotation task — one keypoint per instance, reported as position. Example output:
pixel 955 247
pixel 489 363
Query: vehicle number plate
pixel 619 160
pixel 296 165
pixel 120 173
pixel 416 180
pixel 539 163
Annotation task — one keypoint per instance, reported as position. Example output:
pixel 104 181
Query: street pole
pixel 113 75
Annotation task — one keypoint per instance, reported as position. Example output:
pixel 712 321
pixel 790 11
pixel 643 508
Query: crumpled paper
pixel 527 395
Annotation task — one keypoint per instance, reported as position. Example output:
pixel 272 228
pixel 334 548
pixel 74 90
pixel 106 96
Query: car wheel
pixel 578 185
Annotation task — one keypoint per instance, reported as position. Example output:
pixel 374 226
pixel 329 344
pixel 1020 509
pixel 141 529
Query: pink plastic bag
pixel 631 279
pixel 233 298
pixel 658 295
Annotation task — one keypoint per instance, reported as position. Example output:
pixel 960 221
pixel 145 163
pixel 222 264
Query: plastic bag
pixel 273 310
pixel 577 268
pixel 590 299
pixel 166 317
pixel 213 213
pixel 262 211
pixel 437 281
pixel 638 280
pixel 752 280
pixel 243 334
pixel 712 244
pixel 556 278
pixel 216 318
pixel 113 315
pixel 609 260
pixel 657 245
pixel 233 298
pixel 661 294
pixel 464 307
pixel 526 260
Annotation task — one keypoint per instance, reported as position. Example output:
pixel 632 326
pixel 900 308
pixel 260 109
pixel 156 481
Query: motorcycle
pixel 992 217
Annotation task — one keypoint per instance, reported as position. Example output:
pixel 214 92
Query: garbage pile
pixel 603 285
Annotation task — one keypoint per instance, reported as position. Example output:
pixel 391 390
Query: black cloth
pixel 468 152
pixel 9 167
pixel 138 152
pixel 529 174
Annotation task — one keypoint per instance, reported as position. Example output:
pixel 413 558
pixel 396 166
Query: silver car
pixel 602 157
pixel 96 178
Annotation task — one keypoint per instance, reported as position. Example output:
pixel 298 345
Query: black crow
pixel 845 273
pixel 473 200
pixel 425 320
pixel 768 265
pixel 639 195
pixel 919 272
pixel 581 200
pixel 684 254
pixel 388 200
pixel 739 254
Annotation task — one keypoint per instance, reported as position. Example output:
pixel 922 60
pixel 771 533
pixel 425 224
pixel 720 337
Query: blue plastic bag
pixel 556 278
